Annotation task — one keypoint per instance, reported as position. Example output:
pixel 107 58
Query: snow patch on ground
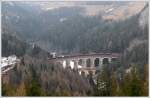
pixel 62 19
pixel 109 10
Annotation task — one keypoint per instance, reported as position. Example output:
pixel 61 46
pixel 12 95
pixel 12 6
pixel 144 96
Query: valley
pixel 70 48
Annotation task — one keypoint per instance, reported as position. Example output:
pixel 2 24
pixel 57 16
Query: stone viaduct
pixel 86 63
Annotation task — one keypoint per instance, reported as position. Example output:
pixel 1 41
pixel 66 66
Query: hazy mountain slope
pixel 66 29
pixel 12 45
pixel 143 19
pixel 17 19
pixel 109 10
pixel 137 51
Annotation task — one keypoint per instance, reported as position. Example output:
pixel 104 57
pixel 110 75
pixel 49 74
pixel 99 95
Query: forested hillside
pixel 31 33
pixel 66 29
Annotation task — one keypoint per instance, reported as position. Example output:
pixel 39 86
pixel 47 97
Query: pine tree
pixel 135 84
pixel 132 83
pixel 21 90
pixel 103 83
pixel 114 85
pixel 33 89
pixel 145 81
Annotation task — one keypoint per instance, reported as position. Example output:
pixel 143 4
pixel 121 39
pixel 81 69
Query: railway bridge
pixel 86 63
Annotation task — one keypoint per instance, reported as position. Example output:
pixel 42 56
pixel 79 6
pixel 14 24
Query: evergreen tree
pixel 145 81
pixel 33 89
pixel 103 82
pixel 114 85
pixel 132 83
